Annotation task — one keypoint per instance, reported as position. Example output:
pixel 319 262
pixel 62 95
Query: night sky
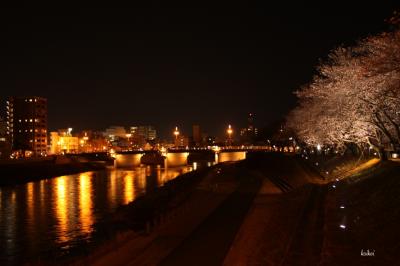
pixel 169 66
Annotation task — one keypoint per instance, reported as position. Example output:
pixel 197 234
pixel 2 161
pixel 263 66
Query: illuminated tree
pixel 354 98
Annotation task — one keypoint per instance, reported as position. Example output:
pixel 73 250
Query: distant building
pixel 3 128
pixel 27 125
pixel 5 147
pixel 136 140
pixel 197 136
pixel 115 132
pixel 63 142
pixel 92 141
pixel 249 133
pixel 210 140
pixel 182 141
pixel 147 132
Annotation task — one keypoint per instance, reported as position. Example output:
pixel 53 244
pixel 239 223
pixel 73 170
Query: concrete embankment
pixel 159 228
pixel 269 209
pixel 124 235
pixel 14 172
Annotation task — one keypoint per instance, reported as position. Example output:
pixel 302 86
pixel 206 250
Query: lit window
pixel 30 100
pixel 20 120
pixel 31 130
pixel 26 120
pixel 31 120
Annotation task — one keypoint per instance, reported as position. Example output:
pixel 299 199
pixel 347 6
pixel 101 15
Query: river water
pixel 49 217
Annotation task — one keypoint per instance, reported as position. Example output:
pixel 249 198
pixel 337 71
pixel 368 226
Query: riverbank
pixel 148 230
pixel 296 218
pixel 217 201
pixel 14 172
pixel 351 220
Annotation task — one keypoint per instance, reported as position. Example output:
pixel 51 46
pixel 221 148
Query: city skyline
pixel 216 67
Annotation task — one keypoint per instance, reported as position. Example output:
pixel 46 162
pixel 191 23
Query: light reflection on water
pixel 42 218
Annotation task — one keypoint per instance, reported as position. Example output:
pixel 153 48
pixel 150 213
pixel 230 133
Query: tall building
pixel 249 133
pixel 197 137
pixel 3 129
pixel 136 140
pixel 114 132
pixel 27 124
pixel 5 148
pixel 181 141
pixel 147 132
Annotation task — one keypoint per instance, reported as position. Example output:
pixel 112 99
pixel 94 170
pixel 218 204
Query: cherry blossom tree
pixel 354 98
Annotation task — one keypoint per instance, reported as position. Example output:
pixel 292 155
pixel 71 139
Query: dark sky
pixel 169 66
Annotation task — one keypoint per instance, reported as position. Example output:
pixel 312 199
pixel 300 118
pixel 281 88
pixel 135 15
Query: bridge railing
pixel 222 148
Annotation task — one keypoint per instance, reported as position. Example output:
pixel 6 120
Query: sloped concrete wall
pixel 128 160
pixel 231 156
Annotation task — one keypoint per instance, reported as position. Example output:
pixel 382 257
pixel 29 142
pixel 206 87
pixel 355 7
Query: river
pixel 49 217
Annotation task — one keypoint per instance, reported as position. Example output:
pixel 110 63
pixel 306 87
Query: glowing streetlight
pixel 128 137
pixel 229 131
pixel 176 133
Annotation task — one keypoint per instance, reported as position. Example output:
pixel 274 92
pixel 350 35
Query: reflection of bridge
pixel 180 157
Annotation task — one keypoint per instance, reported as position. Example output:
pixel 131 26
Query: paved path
pixel 210 242
pixel 306 245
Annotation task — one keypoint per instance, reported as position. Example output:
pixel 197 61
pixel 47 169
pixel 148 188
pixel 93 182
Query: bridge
pixel 183 156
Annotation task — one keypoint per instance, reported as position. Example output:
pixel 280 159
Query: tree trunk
pixel 382 154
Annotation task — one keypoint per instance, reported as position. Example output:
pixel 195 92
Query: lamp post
pixel 176 134
pixel 128 137
pixel 229 131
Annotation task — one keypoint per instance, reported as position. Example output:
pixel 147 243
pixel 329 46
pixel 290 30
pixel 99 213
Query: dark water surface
pixel 48 217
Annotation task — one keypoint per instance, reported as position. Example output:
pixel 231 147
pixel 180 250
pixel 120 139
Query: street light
pixel 176 132
pixel 128 136
pixel 229 131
